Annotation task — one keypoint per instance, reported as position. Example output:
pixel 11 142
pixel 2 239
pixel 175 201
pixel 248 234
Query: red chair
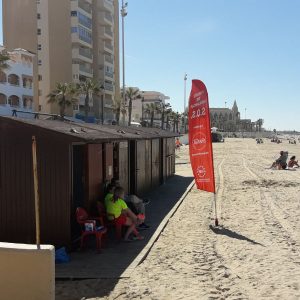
pixel 86 222
pixel 110 220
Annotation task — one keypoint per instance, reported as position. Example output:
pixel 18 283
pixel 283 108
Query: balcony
pixel 85 6
pixel 106 5
pixel 109 59
pixel 108 47
pixel 85 69
pixel 108 87
pixel 86 53
pixel 109 74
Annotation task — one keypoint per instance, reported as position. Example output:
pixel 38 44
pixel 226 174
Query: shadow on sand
pixel 115 258
pixel 232 234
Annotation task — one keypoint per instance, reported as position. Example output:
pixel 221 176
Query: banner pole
pixel 216 213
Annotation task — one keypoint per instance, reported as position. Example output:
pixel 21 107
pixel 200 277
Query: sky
pixel 243 50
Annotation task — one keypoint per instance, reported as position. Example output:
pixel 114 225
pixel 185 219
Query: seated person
pixel 293 162
pixel 136 204
pixel 110 193
pixel 118 211
pixel 280 163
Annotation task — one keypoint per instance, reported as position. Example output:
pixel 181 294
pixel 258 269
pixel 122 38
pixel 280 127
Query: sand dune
pixel 255 254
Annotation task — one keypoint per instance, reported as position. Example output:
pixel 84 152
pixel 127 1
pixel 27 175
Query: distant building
pixel 16 82
pixel 139 107
pixel 74 40
pixel 229 119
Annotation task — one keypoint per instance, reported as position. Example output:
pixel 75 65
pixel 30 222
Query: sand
pixel 255 254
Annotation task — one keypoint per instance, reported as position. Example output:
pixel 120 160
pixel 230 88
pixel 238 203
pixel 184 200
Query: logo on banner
pixel 201 171
pixel 199 141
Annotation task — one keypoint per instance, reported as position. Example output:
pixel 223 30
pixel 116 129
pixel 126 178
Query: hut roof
pixel 92 133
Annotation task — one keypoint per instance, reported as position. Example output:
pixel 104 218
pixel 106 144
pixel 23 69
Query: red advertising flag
pixel 201 154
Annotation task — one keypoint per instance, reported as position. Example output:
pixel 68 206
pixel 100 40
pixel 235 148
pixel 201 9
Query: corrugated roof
pixel 94 133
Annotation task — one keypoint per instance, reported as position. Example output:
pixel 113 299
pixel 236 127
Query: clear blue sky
pixel 248 50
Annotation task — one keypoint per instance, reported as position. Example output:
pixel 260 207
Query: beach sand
pixel 255 254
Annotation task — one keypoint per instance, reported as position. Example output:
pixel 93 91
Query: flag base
pixel 216 222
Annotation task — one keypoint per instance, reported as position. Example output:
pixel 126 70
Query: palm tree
pixel 4 58
pixel 89 88
pixel 131 94
pixel 118 109
pixel 63 95
pixel 151 109
pixel 175 118
pixel 164 107
pixel 168 113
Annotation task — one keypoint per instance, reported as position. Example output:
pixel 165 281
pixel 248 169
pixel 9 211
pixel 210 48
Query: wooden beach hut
pixel 75 160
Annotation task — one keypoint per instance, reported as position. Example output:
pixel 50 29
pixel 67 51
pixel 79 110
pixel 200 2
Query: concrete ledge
pixel 26 272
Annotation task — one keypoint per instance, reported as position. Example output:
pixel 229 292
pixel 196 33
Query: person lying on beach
pixel 118 211
pixel 293 163
pixel 280 163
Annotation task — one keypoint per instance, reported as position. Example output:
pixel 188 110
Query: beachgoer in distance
pixel 118 210
pixel 281 162
pixel 177 144
pixel 293 162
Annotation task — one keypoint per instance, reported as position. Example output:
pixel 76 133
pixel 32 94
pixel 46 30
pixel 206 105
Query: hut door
pixel 155 163
pixel 132 167
pixel 141 184
pixel 78 186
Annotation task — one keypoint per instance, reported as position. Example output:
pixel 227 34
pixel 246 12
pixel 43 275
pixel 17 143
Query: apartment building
pixel 139 107
pixel 16 82
pixel 74 40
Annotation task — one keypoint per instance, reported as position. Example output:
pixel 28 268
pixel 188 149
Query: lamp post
pixel 184 104
pixel 123 15
pixel 102 89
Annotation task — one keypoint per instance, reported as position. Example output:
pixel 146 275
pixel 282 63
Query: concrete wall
pixel 27 273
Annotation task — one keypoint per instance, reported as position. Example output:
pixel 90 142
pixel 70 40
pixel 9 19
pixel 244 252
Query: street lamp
pixel 102 89
pixel 184 104
pixel 123 15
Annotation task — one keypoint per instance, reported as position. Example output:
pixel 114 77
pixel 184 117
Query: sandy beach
pixel 254 254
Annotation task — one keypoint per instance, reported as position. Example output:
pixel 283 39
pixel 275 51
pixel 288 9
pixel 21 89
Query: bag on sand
pixel 61 256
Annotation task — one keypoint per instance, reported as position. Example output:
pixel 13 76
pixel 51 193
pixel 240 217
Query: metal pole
pixel 184 104
pixel 216 213
pixel 123 14
pixel 36 193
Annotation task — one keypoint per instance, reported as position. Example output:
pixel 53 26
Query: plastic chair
pixel 110 220
pixel 88 227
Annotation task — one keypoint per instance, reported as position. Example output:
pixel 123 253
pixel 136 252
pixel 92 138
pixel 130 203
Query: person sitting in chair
pixel 136 204
pixel 293 163
pixel 117 210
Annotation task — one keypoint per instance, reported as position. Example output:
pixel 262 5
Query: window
pixel 39 62
pixel 73 13
pixel 74 29
pixel 39 47
pixel 40 77
pixel 38 16
pixel 40 92
pixel 84 20
pixel 85 35
pixel 39 31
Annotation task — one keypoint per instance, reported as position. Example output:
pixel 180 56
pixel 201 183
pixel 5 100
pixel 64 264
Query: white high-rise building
pixel 16 82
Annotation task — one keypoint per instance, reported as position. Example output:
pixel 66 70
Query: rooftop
pixel 92 133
